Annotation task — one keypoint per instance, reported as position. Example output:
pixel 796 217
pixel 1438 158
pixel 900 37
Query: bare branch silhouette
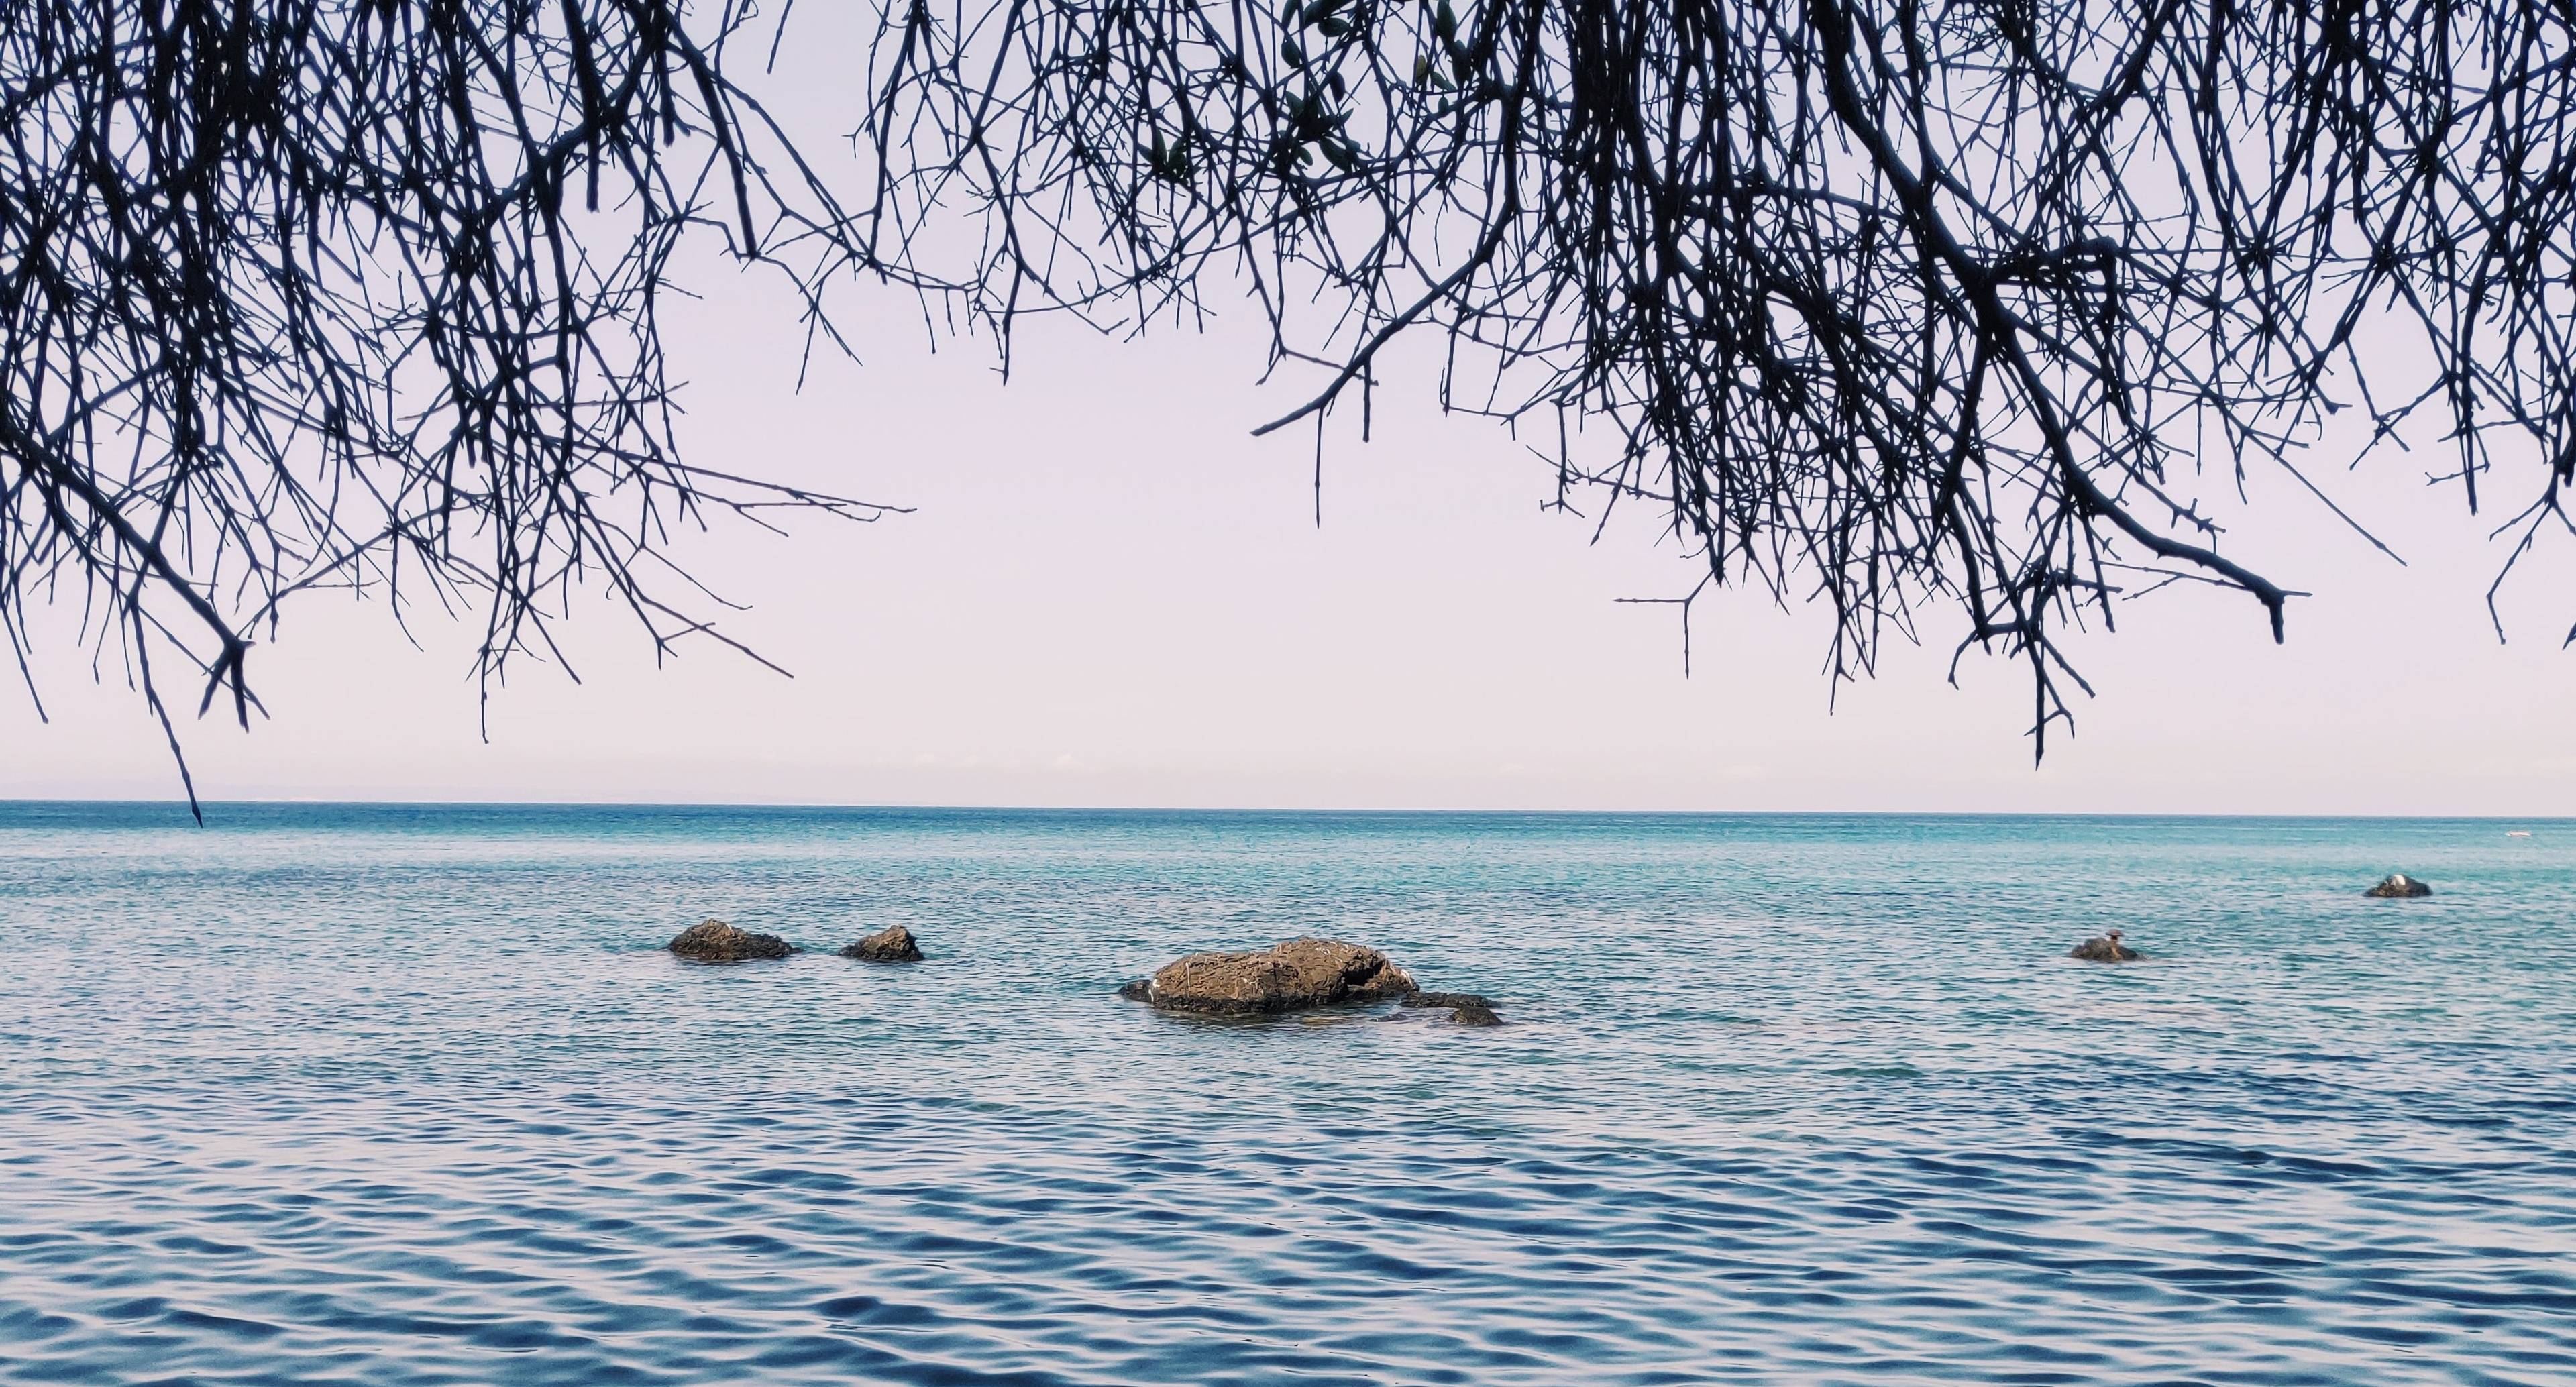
pixel 1884 303
pixel 1913 308
pixel 305 293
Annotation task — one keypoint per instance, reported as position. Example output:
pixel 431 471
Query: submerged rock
pixel 2105 948
pixel 1466 1008
pixel 893 944
pixel 1445 999
pixel 714 941
pixel 2399 886
pixel 1298 974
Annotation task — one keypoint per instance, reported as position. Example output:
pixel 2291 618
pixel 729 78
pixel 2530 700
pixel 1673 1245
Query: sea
pixel 413 1094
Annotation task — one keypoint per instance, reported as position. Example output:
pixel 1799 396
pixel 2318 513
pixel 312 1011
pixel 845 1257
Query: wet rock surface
pixel 1296 975
pixel 1474 1012
pixel 1446 999
pixel 893 944
pixel 2399 887
pixel 2105 948
pixel 714 941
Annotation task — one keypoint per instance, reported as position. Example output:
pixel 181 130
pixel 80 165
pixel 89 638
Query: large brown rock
pixel 893 944
pixel 2399 886
pixel 714 941
pixel 1300 973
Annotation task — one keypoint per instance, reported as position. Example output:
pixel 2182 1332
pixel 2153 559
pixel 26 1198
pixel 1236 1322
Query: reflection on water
pixel 408 1096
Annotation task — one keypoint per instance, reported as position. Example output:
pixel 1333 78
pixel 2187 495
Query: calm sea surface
pixel 409 1095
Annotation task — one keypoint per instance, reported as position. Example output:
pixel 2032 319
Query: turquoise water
pixel 408 1095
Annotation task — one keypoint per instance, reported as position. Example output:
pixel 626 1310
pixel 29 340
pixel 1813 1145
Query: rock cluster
pixel 1294 976
pixel 714 941
pixel 2399 886
pixel 2105 948
pixel 1298 974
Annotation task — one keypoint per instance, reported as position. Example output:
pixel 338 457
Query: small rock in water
pixel 2105 948
pixel 2399 886
pixel 1445 999
pixel 714 941
pixel 1298 974
pixel 1141 990
pixel 893 944
pixel 1475 1013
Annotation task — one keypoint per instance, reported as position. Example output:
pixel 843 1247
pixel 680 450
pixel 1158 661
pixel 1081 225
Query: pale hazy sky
pixel 1110 594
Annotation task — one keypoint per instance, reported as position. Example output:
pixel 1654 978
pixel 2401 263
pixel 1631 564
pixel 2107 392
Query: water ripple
pixel 407 1096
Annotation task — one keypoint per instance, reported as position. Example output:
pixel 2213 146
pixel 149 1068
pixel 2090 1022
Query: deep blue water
pixel 409 1095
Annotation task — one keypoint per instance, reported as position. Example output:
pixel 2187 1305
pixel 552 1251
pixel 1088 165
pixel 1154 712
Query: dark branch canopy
pixel 1887 304
pixel 306 293
pixel 1930 312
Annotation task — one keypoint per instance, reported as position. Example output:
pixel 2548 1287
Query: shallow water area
pixel 411 1095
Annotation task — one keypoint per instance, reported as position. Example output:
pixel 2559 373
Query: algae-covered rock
pixel 1298 974
pixel 2399 886
pixel 1445 999
pixel 893 944
pixel 714 941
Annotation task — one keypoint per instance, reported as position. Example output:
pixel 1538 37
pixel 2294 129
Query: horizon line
pixel 179 805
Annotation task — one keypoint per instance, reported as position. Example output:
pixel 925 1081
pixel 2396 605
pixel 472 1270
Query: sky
pixel 1108 593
